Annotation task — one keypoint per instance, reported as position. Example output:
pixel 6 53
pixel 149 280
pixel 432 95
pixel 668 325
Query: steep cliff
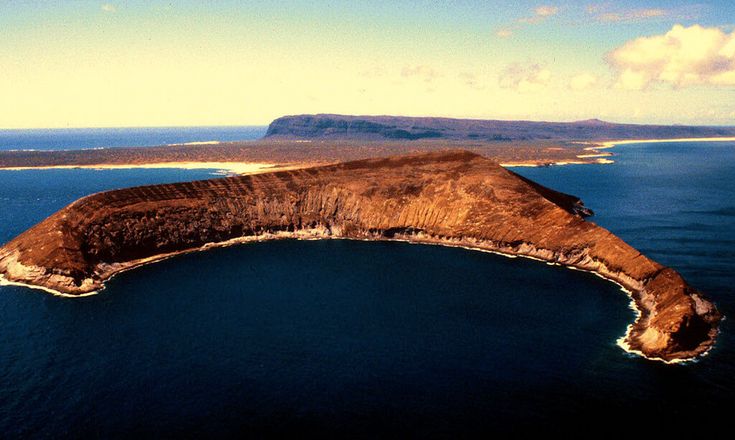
pixel 453 198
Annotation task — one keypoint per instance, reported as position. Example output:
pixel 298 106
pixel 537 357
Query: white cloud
pixel 605 13
pixel 583 81
pixel 539 14
pixel 546 11
pixel 525 78
pixel 630 80
pixel 684 56
pixel 109 8
pixel 632 15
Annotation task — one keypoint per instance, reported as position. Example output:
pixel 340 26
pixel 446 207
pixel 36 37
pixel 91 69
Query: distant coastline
pixel 243 168
pixel 538 164
pixel 589 154
pixel 602 158
pixel 306 140
pixel 611 144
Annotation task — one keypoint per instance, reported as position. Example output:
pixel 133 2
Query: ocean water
pixel 85 138
pixel 364 339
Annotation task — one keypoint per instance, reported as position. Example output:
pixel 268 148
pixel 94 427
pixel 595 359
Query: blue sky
pixel 153 63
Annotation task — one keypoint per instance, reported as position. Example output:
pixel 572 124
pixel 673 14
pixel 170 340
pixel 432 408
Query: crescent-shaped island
pixel 454 198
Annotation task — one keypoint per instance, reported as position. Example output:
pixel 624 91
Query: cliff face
pixel 453 198
pixel 408 128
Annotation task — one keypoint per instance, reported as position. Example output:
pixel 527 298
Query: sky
pixel 113 63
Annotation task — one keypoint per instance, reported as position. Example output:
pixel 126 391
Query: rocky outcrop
pixel 453 198
pixel 409 128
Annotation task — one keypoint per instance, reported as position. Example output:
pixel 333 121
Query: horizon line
pixel 596 119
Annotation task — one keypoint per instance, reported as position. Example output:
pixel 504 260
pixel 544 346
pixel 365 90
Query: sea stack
pixel 454 198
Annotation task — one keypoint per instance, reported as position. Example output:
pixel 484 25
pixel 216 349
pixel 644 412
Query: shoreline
pixel 602 158
pixel 610 144
pixel 542 164
pixel 226 167
pixel 111 271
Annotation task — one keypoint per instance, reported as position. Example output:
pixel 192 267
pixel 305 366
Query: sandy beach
pixel 537 163
pixel 610 144
pixel 197 143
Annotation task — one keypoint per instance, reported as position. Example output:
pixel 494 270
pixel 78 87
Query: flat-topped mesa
pixel 454 198
pixel 406 128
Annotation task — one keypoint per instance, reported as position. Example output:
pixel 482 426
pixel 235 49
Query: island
pixel 452 198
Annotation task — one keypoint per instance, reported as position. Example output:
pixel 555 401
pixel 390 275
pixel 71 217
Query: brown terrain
pixel 455 198
pixel 290 152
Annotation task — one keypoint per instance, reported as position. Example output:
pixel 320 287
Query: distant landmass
pixel 290 141
pixel 326 126
pixel 453 198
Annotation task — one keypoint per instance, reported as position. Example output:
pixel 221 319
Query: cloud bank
pixel 682 57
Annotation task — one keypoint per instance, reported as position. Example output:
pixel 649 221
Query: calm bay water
pixel 362 339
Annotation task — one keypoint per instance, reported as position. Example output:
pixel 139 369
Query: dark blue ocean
pixel 86 138
pixel 359 339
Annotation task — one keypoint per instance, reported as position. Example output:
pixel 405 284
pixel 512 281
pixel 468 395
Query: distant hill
pixel 324 126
